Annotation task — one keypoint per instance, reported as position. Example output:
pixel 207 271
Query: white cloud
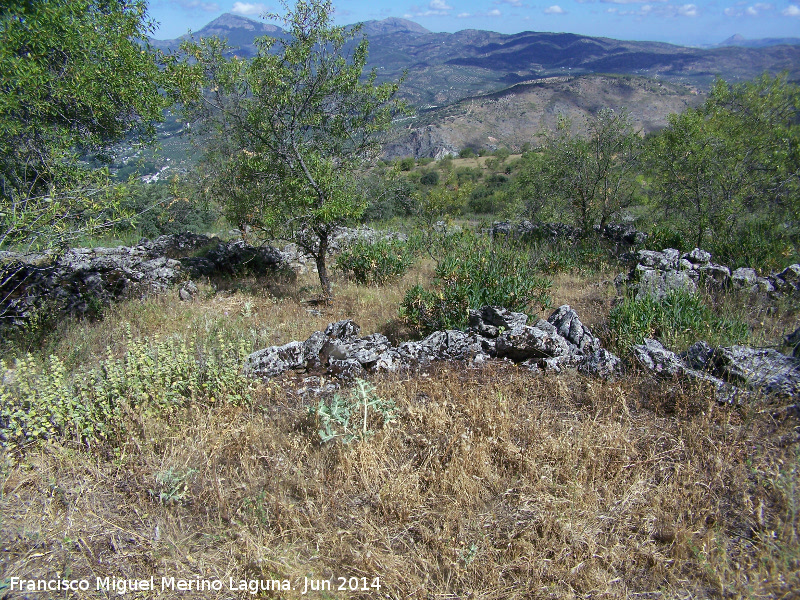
pixel 554 10
pixel 517 3
pixel 439 5
pixel 463 15
pixel 630 1
pixel 244 8
pixel 494 13
pixel 688 10
pixel 791 11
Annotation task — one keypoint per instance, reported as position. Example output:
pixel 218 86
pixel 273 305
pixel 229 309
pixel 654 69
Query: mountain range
pixel 445 67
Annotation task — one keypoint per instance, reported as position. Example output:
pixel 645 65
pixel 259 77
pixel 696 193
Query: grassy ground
pixel 489 482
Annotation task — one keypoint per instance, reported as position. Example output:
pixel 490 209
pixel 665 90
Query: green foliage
pixel 78 77
pixel 41 401
pixel 593 176
pixel 430 178
pixel 406 164
pixel 285 132
pixel 736 155
pixel 157 210
pixel 475 271
pixel 172 485
pixel 348 418
pixel 466 153
pixel 377 262
pixel 678 320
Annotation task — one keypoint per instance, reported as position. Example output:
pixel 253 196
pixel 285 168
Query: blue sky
pixel 676 21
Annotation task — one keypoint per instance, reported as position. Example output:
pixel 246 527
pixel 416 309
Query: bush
pixel 41 401
pixel 430 178
pixel 157 212
pixel 376 262
pixel 474 272
pixel 406 164
pixel 466 153
pixel 678 320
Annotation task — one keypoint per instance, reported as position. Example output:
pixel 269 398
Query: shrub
pixel 406 164
pixel 677 321
pixel 376 262
pixel 430 178
pixel 466 153
pixel 43 401
pixel 472 273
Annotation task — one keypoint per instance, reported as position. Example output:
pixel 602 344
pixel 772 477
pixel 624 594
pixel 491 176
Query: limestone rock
pixel 274 360
pixel 569 326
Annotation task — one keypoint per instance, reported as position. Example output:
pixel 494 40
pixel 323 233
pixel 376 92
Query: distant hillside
pixel 514 116
pixel 738 40
pixel 446 67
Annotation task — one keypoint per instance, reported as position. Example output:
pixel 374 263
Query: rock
pixel 698 256
pixel 539 341
pixel 345 329
pixel 698 355
pixel 791 275
pixel 767 371
pixel 488 320
pixel 347 369
pixel 717 274
pixel 569 326
pixel 658 284
pixel 366 350
pixel 187 291
pixel 452 345
pixel 653 356
pixel 744 278
pixel 601 363
pixel 274 360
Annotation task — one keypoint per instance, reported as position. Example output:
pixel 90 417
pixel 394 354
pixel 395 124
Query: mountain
pixel 738 40
pixel 511 117
pixel 446 67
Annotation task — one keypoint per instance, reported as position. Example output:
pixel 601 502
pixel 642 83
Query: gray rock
pixel 452 345
pixel 488 320
pixel 531 342
pixel 653 356
pixel 744 278
pixel 274 360
pixel 658 284
pixel 347 369
pixel 717 274
pixel 187 291
pixel 767 371
pixel 312 347
pixel 698 256
pixel 601 363
pixel 569 326
pixel 343 330
pixel 698 355
pixel 791 275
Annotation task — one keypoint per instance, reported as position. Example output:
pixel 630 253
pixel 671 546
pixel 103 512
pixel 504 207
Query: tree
pixel 288 130
pixel 593 175
pixel 78 77
pixel 736 156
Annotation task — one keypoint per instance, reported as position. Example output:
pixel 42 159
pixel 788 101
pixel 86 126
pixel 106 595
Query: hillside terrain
pixel 445 67
pixel 515 116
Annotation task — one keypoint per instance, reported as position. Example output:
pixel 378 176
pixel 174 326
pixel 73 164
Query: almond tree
pixel 284 133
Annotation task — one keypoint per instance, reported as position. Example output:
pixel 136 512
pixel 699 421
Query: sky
pixel 674 21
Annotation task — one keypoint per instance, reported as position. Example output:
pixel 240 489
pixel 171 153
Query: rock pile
pixel 656 274
pixel 560 342
pixel 81 280
pixel 621 233
pixel 734 372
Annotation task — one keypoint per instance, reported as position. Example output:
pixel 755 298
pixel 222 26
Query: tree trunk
pixel 322 268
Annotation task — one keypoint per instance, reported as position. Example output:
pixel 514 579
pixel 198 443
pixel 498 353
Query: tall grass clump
pixel 677 320
pixel 42 400
pixel 474 271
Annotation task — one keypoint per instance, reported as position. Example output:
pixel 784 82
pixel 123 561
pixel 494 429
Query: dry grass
pixel 490 483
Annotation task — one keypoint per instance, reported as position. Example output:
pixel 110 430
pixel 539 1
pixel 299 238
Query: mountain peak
pixel 733 40
pixel 228 21
pixel 391 25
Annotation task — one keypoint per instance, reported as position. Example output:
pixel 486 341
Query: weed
pixel 172 486
pixel 376 262
pixel 347 417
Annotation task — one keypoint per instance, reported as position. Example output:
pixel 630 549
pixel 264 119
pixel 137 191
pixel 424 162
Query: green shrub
pixel 430 178
pixel 348 417
pixel 378 262
pixel 677 321
pixel 663 236
pixel 406 164
pixel 474 271
pixel 42 400
pixel 466 153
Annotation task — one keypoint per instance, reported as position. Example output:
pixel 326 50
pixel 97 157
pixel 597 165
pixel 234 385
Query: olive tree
pixel 734 158
pixel 592 176
pixel 77 78
pixel 284 133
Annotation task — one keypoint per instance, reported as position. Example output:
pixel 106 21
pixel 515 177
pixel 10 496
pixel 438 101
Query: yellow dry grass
pixel 490 483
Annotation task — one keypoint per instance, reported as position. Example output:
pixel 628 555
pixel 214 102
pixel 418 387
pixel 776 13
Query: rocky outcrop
pixel 734 372
pixel 619 233
pixel 82 280
pixel 494 333
pixel 657 274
